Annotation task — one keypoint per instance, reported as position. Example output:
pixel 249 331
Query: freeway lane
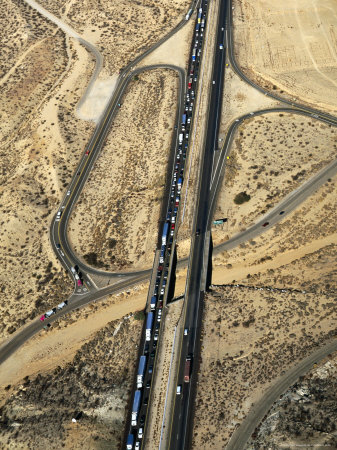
pixel 182 421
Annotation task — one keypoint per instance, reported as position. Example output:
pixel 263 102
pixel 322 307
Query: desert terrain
pixel 305 415
pixel 250 337
pixel 125 190
pixel 289 48
pixel 38 412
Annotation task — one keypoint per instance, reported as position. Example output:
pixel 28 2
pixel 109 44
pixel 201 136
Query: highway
pixel 182 414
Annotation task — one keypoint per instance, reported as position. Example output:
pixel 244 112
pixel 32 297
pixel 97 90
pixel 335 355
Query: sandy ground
pixel 125 189
pixel 272 155
pixel 251 337
pixel 289 47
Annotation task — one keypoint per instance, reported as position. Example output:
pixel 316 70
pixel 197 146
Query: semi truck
pixel 165 233
pixel 141 370
pixel 153 302
pixel 149 322
pixel 187 370
pixel 188 15
pixel 129 442
pixel 193 56
pixel 135 408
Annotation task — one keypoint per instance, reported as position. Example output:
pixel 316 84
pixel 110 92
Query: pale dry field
pixel 271 156
pixel 289 47
pixel 120 30
pixel 250 337
pixel 117 215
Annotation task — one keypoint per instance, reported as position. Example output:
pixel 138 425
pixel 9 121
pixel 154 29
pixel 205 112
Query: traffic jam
pixel 153 317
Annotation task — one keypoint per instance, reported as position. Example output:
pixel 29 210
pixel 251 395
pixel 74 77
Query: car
pixel 152 354
pixel 78 173
pixel 87 152
pixel 62 305
pixel 156 334
pixel 150 368
pixel 42 318
pixel 68 193
pixel 79 283
pixel 146 348
pixel 73 269
pixel 159 315
pixel 58 215
pixel 148 384
pixel 142 419
pixel 172 233
pixel 162 291
pixel 187 135
pixel 137 445
pixel 157 326
pixel 190 108
pixel 186 332
pixel 58 245
pixel 49 313
pixel 197 233
pixel 281 212
pixel 160 304
pixel 146 400
pixel 140 433
pixel 179 389
pixel 76 277
pixel 221 47
pixel 47 326
pixel 165 274
pixel 265 224
pixel 154 345
pixel 213 81
pixel 189 120
pixel 173 225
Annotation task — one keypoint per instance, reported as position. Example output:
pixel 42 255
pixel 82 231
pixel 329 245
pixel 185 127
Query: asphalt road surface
pixel 182 421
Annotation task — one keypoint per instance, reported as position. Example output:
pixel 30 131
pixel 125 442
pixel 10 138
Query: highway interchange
pixel 208 190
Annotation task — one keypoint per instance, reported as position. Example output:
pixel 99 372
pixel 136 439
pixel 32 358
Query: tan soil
pixel 118 212
pixel 250 338
pixel 272 155
pixel 289 47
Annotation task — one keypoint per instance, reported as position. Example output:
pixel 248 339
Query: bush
pixel 139 315
pixel 241 198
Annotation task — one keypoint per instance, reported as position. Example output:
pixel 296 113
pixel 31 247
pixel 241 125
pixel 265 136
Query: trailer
pixel 129 442
pixel 188 15
pixel 183 119
pixel 153 302
pixel 135 408
pixel 187 370
pixel 193 54
pixel 149 322
pixel 165 233
pixel 141 370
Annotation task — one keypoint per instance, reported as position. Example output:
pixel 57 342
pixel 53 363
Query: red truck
pixel 187 370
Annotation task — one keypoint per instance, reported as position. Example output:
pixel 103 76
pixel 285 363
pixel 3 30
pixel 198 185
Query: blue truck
pixel 129 442
pixel 165 233
pixel 141 370
pixel 193 54
pixel 149 322
pixel 135 408
pixel 180 183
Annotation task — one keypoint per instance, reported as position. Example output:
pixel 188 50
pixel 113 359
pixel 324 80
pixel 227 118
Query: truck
pixel 181 137
pixel 183 119
pixel 141 370
pixel 187 370
pixel 180 182
pixel 165 233
pixel 188 15
pixel 193 56
pixel 149 322
pixel 129 442
pixel 135 408
pixel 153 302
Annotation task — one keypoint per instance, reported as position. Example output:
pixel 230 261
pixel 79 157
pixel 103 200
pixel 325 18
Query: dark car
pixel 146 349
pixel 197 233
pixel 153 353
pixel 282 212
pixel 150 368
pixel 142 419
pixel 265 224
pixel 154 345
pixel 146 400
pixel 58 246
pixel 148 384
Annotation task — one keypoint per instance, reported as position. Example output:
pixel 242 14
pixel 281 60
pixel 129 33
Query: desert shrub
pixel 242 197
